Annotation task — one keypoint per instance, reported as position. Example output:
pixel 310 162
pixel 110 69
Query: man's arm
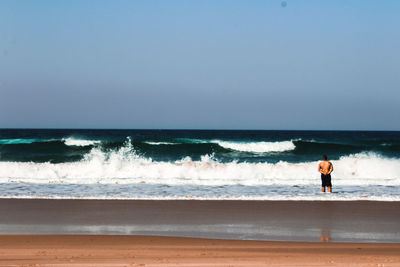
pixel 319 168
pixel 330 168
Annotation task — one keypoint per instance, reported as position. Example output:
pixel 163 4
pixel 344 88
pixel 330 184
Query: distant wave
pixel 191 141
pixel 297 146
pixel 21 141
pixel 257 147
pixel 73 148
pixel 160 143
pixel 253 147
pixel 67 141
pixel 79 142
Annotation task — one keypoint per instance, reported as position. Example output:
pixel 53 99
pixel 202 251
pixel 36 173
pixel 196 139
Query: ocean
pixel 197 164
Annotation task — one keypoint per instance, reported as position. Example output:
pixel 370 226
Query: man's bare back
pixel 325 168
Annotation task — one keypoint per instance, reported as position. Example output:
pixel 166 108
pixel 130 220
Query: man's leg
pixel 329 189
pixel 323 189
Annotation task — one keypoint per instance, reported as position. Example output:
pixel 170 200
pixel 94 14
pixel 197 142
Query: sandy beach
pixel 198 233
pixel 86 250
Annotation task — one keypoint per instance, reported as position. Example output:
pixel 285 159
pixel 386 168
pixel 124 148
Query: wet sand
pixel 337 221
pixel 86 250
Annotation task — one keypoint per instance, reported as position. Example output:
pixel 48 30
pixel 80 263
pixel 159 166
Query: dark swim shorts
pixel 326 180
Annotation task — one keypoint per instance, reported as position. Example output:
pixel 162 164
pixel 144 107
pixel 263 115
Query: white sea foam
pixel 79 142
pixel 125 166
pixel 315 197
pixel 123 174
pixel 257 147
pixel 160 143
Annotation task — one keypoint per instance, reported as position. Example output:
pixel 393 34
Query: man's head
pixel 324 157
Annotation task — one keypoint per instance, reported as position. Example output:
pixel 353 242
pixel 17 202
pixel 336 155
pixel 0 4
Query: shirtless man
pixel 325 168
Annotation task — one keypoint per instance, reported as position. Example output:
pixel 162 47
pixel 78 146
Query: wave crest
pixel 79 142
pixel 160 143
pixel 257 147
pixel 16 141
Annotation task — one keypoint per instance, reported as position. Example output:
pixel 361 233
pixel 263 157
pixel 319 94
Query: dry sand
pixel 100 250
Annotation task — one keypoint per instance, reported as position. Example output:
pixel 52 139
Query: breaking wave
pixel 126 166
pixel 160 143
pixel 257 147
pixel 80 142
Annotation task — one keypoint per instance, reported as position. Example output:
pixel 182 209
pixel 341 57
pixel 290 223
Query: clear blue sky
pixel 200 64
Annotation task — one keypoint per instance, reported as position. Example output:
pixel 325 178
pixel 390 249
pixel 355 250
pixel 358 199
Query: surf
pixel 125 166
